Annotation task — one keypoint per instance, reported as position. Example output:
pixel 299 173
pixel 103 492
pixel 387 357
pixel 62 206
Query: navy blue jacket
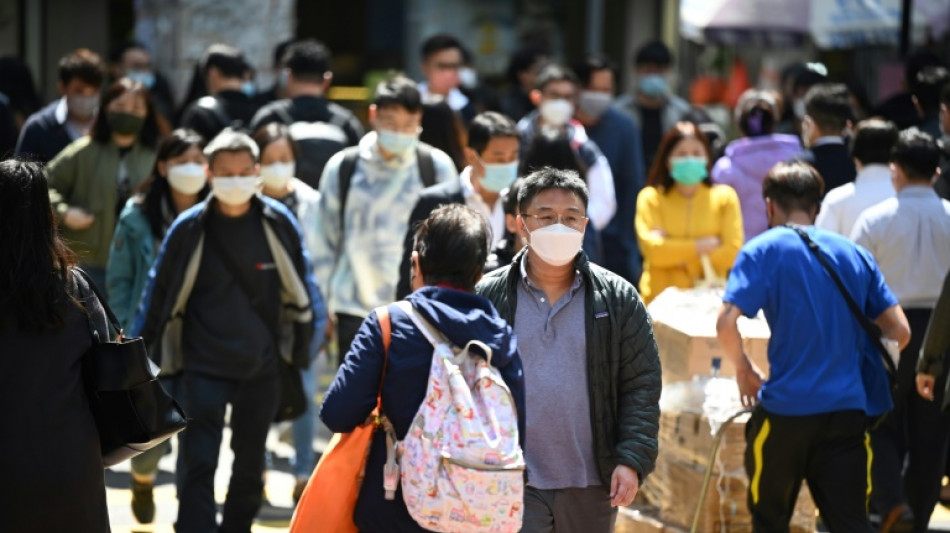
pixel 833 162
pixel 461 317
pixel 42 136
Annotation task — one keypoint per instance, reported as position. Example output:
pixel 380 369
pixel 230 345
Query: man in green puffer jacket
pixel 592 405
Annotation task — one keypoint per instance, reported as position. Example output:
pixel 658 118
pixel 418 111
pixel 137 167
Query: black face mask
pixel 124 123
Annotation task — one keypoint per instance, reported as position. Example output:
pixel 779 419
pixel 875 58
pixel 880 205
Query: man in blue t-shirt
pixel 810 418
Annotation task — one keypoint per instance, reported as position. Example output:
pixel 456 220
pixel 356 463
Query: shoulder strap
pixel 386 326
pixel 347 168
pixel 113 321
pixel 426 164
pixel 282 112
pixel 431 334
pixel 869 327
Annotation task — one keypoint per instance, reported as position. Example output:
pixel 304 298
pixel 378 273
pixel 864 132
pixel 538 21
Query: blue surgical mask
pixel 689 170
pixel 499 176
pixel 654 85
pixel 395 142
pixel 145 77
pixel 248 88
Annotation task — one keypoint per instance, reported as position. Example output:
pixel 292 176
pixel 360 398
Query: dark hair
pixel 442 128
pixel 554 72
pixel 794 186
pixel 84 65
pixel 197 87
pixel 438 43
pixel 101 131
pixel 453 246
pixel 158 194
pixel 873 140
pixel 488 125
pixel 509 203
pixel 308 60
pixel 917 61
pixel 230 140
pixel 945 95
pixel 280 50
pixel 273 132
pixel 927 87
pixel 715 137
pixel 653 53
pixel 119 51
pixel 592 63
pixel 659 176
pixel 227 59
pixel 523 59
pixel 808 78
pixel 398 91
pixel 554 151
pixel 755 113
pixel 34 261
pixel 829 105
pixel 16 82
pixel 917 154
pixel 551 178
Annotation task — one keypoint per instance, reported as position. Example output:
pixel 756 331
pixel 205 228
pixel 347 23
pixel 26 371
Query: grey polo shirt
pixel 559 444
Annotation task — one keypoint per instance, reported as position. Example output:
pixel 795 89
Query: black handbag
pixel 132 409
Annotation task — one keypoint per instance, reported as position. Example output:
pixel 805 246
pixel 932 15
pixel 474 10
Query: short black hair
pixel 873 141
pixel 273 132
pixel 794 186
pixel 813 74
pixel 552 149
pixel 591 63
pixel 453 246
pixel 227 59
pixel 917 61
pixel 488 125
pixel 308 60
pixel 554 72
pixel 945 95
pixel 551 178
pixel 523 59
pixel 439 42
pixel 653 53
pixel 927 86
pixel 398 91
pixel 82 64
pixel 917 154
pixel 119 51
pixel 829 105
pixel 509 203
pixel 280 50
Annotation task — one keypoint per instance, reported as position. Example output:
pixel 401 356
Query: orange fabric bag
pixel 329 500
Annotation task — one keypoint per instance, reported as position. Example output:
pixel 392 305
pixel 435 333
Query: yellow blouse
pixel 670 258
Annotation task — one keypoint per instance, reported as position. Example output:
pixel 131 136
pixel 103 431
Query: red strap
pixel 385 324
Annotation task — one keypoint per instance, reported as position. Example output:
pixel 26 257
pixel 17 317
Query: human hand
pixel 925 386
pixel 749 379
pixel 624 484
pixel 707 244
pixel 77 218
pixel 330 328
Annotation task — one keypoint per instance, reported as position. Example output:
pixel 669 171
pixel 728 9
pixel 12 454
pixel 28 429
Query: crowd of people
pixel 243 228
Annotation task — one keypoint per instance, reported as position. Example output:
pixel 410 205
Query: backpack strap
pixel 426 164
pixel 212 104
pixel 347 167
pixel 284 114
pixel 434 336
pixel 386 326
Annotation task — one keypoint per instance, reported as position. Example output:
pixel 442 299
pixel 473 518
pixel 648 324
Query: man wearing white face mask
pixel 366 195
pixel 492 155
pixel 555 94
pixel 592 402
pixel 231 298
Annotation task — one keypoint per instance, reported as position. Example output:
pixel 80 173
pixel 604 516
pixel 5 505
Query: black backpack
pixel 352 154
pixel 225 121
pixel 317 142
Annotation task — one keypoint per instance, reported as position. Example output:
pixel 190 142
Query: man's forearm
pixel 727 330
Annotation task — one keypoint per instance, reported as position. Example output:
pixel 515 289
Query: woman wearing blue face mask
pixel 682 216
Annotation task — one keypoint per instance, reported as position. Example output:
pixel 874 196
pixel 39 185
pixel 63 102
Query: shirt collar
pixel 369 150
pixel 456 100
pixel 465 178
pixel 830 139
pixel 61 112
pixel 578 278
pixel 874 172
pixel 917 191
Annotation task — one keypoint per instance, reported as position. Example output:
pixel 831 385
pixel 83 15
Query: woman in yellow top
pixel 681 215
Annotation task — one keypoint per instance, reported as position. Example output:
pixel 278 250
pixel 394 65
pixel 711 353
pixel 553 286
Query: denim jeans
pixel 253 406
pixel 304 427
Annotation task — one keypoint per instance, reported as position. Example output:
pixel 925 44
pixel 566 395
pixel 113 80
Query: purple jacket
pixel 744 166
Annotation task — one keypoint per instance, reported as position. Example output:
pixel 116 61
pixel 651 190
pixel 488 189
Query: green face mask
pixel 124 123
pixel 688 170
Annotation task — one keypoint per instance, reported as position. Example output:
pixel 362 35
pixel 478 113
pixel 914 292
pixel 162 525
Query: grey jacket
pixel 673 110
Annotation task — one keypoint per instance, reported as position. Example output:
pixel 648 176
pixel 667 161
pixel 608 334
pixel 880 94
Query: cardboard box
pixel 630 521
pixel 684 324
pixel 686 438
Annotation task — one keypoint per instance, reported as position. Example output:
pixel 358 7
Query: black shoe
pixel 143 503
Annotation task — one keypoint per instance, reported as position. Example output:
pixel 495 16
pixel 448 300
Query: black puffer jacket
pixel 622 364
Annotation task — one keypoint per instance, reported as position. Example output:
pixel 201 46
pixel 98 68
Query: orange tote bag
pixel 329 500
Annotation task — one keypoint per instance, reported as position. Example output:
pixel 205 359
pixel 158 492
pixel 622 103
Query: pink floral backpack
pixel 460 465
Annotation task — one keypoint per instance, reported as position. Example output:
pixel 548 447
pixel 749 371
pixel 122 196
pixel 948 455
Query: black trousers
pixel 828 450
pixel 346 328
pixel 910 446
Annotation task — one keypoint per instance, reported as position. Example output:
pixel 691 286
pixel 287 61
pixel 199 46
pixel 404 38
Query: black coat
pixel 50 463
pixel 42 136
pixel 430 199
pixel 833 162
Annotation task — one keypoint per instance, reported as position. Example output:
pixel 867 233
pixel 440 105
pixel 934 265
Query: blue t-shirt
pixel 817 346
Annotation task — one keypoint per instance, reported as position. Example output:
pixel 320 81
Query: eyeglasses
pixel 570 220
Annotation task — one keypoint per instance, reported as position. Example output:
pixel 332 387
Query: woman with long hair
pixel 49 456
pixel 682 216
pixel 91 179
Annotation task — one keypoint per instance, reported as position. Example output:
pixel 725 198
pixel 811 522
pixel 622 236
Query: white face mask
pixel 277 175
pixel 556 112
pixel 234 190
pixel 557 244
pixel 187 178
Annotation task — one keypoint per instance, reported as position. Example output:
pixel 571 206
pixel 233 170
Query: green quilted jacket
pixel 623 368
